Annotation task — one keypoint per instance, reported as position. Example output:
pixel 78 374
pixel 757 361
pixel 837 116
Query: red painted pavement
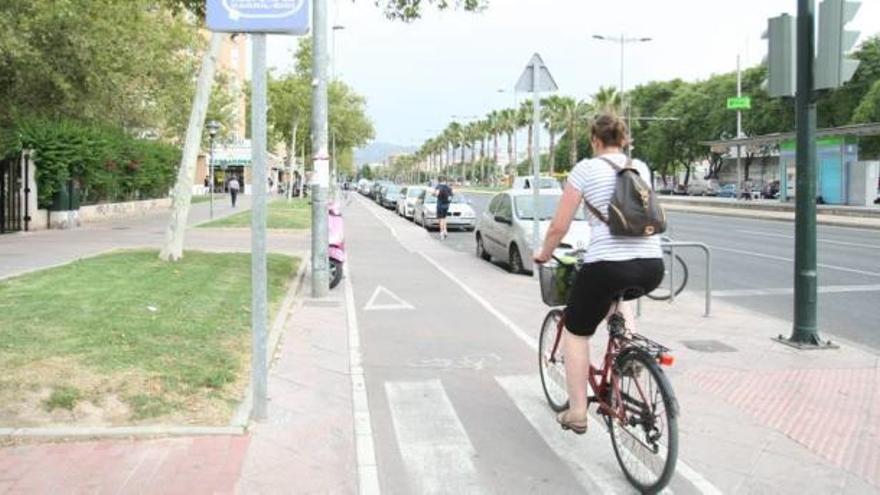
pixel 835 413
pixel 168 466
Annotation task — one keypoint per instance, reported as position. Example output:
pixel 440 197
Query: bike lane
pixel 453 386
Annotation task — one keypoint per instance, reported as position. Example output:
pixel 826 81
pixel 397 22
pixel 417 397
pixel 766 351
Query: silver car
pixel 460 216
pixel 406 203
pixel 504 230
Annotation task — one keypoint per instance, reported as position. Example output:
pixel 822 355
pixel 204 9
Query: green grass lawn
pixel 297 214
pixel 125 337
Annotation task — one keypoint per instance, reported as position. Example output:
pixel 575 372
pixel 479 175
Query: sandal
pixel 576 426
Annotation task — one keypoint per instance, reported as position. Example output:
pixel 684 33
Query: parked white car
pixel 545 181
pixel 460 216
pixel 406 203
pixel 504 230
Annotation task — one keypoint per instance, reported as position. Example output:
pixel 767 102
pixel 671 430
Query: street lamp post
pixel 337 27
pixel 623 40
pixel 213 127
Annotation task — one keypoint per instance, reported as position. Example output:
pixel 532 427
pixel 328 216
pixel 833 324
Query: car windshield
pixel 546 207
pixel 458 199
pixel 413 192
pixel 391 190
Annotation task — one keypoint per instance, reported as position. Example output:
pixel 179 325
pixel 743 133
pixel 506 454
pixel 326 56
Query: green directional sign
pixel 739 103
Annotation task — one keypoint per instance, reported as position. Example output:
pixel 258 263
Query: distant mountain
pixel 378 152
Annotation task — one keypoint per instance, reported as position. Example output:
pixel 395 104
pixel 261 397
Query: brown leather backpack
pixel 633 210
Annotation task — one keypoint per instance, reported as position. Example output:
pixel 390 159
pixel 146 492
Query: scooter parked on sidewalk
pixel 336 250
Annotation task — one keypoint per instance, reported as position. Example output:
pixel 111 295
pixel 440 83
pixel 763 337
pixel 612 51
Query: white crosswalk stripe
pixel 434 445
pixel 439 456
pixel 589 457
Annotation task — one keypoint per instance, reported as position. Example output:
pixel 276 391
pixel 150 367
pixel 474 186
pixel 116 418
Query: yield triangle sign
pixel 545 80
pixel 384 299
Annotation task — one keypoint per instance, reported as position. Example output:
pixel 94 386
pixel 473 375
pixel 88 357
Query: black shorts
pixel 442 210
pixel 598 284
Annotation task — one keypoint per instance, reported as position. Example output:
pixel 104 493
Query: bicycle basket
pixel 556 280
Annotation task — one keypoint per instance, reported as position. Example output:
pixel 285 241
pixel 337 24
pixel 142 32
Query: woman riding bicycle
pixel 612 264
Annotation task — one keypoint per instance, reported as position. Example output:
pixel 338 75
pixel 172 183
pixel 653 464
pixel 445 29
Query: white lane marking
pixel 583 455
pixel 434 445
pixel 397 304
pixel 790 260
pixel 371 208
pixel 819 239
pixel 367 469
pixel 827 289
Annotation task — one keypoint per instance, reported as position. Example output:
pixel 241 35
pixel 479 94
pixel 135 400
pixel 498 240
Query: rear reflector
pixel 666 359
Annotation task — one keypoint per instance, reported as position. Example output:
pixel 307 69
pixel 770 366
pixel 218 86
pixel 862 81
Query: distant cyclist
pixel 612 263
pixel 444 196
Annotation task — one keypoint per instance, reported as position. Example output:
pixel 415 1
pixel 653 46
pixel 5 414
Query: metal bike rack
pixel 666 242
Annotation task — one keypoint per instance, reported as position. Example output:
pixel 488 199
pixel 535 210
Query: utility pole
pixel 739 170
pixel 805 334
pixel 259 307
pixel 320 158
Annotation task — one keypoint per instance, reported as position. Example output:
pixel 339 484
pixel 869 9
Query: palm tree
pixel 525 118
pixel 453 138
pixel 608 100
pixel 507 124
pixel 554 121
pixel 492 123
pixel 484 131
pixel 572 112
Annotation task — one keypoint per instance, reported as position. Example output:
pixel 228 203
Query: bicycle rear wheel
pixel 552 364
pixel 661 293
pixel 646 441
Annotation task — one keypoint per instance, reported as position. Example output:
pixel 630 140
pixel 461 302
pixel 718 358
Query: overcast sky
pixel 417 76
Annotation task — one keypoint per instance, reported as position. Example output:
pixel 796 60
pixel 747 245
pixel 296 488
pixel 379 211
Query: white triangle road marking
pixel 398 303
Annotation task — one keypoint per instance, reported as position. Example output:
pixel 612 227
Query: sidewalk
pixel 28 251
pixel 842 216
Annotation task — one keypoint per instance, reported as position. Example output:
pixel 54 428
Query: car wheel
pixel 514 260
pixel 481 250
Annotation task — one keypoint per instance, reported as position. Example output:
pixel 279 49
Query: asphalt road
pixel 753 266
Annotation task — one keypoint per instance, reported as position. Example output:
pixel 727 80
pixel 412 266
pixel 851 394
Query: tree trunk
pixel 552 151
pixel 510 158
pixel 573 152
pixel 463 177
pixel 291 159
pixel 531 165
pixel 483 158
pixel 687 175
pixel 181 195
pixel 495 138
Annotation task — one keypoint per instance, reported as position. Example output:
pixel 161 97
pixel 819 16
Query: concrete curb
pixel 292 300
pixel 97 433
pixel 779 216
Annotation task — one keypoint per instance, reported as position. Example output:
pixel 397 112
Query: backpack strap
pixel 617 168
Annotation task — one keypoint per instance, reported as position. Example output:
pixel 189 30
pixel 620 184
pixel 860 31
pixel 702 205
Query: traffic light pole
pixel 805 334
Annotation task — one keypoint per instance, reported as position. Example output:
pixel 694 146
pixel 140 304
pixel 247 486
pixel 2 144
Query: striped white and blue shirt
pixel 595 180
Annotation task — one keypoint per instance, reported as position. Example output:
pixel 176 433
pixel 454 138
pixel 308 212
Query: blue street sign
pixel 259 16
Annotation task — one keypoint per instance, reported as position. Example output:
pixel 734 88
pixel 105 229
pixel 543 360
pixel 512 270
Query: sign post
pixel 259 18
pixel 535 79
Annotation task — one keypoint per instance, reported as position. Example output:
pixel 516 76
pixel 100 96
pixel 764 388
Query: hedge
pixel 108 165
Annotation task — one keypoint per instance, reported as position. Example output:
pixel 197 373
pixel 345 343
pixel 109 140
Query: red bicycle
pixel 630 388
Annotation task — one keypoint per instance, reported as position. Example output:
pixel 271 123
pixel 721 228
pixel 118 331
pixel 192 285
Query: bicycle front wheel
pixel 646 440
pixel 662 293
pixel 551 362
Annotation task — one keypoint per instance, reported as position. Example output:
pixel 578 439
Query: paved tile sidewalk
pixel 29 251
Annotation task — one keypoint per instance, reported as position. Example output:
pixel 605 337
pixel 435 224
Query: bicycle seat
pixel 629 294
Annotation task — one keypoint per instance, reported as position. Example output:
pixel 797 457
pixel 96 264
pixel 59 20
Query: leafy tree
pixel 405 10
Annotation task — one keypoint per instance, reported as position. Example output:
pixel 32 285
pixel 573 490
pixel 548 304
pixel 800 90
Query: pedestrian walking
pixel 234 187
pixel 444 196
